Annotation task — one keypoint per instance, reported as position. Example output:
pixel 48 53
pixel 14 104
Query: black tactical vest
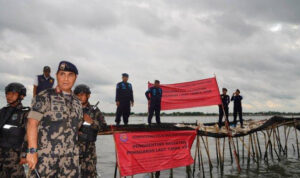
pixel 88 134
pixel 12 127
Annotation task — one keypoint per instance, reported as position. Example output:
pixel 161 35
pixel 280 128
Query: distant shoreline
pixel 174 114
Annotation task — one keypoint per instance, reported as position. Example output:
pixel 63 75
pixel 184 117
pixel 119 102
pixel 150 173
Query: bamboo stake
pixel 189 171
pixel 195 160
pixel 238 149
pixel 201 158
pixel 256 149
pixel 207 152
pixel 285 141
pixel 230 151
pixel 249 151
pixel 171 173
pixel 279 140
pixel 277 135
pixel 253 150
pixel 297 140
pixel 258 142
pixel 217 152
pixel 157 174
pixel 234 149
pixel 243 149
pixel 288 134
pixel 266 149
pixel 223 156
pixel 274 133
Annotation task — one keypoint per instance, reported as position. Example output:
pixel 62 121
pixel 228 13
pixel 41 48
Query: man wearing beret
pixel 52 128
pixel 124 99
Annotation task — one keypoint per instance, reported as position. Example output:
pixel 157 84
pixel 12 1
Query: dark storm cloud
pixel 250 45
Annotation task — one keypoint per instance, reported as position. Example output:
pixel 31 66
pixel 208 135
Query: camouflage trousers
pixel 88 159
pixel 9 164
pixel 57 167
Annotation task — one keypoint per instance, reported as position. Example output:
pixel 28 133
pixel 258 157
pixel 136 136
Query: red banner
pixel 190 94
pixel 144 152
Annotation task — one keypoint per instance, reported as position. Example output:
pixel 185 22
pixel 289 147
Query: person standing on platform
pixel 154 95
pixel 224 108
pixel 124 100
pixel 53 126
pixel 43 82
pixel 237 107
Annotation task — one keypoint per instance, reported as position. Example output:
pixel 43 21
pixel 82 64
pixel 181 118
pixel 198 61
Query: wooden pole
pixel 230 151
pixel 223 155
pixel 195 160
pixel 238 149
pixel 256 149
pixel 258 142
pixel 217 152
pixel 189 171
pixel 208 155
pixel 200 153
pixel 253 150
pixel 249 151
pixel 297 142
pixel 243 149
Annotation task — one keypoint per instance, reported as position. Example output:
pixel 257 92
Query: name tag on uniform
pixel 7 126
pixel 85 123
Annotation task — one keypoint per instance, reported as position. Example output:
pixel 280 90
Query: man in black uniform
pixel 225 101
pixel 43 82
pixel 153 96
pixel 13 119
pixel 124 98
pixel 237 108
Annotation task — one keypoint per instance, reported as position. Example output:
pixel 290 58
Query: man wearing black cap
pixel 124 98
pixel 52 128
pixel 43 82
pixel 224 107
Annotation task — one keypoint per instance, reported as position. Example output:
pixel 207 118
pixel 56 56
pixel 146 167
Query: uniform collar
pixel 46 77
pixel 19 106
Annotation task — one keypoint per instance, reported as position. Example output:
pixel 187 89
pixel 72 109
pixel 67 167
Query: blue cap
pixel 67 66
pixel 125 75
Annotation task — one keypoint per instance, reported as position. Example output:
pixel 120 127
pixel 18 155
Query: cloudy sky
pixel 251 45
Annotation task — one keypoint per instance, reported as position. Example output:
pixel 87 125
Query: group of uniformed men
pixel 56 136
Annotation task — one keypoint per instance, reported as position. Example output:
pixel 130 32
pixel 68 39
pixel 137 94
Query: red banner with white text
pixel 190 94
pixel 144 152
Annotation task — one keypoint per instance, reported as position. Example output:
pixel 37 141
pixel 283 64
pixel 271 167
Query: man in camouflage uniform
pixel 93 122
pixel 53 125
pixel 12 132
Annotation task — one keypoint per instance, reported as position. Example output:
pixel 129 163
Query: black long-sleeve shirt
pixel 225 100
pixel 154 94
pixel 237 100
pixel 124 92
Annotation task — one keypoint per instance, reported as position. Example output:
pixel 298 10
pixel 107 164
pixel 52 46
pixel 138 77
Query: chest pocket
pixel 58 108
